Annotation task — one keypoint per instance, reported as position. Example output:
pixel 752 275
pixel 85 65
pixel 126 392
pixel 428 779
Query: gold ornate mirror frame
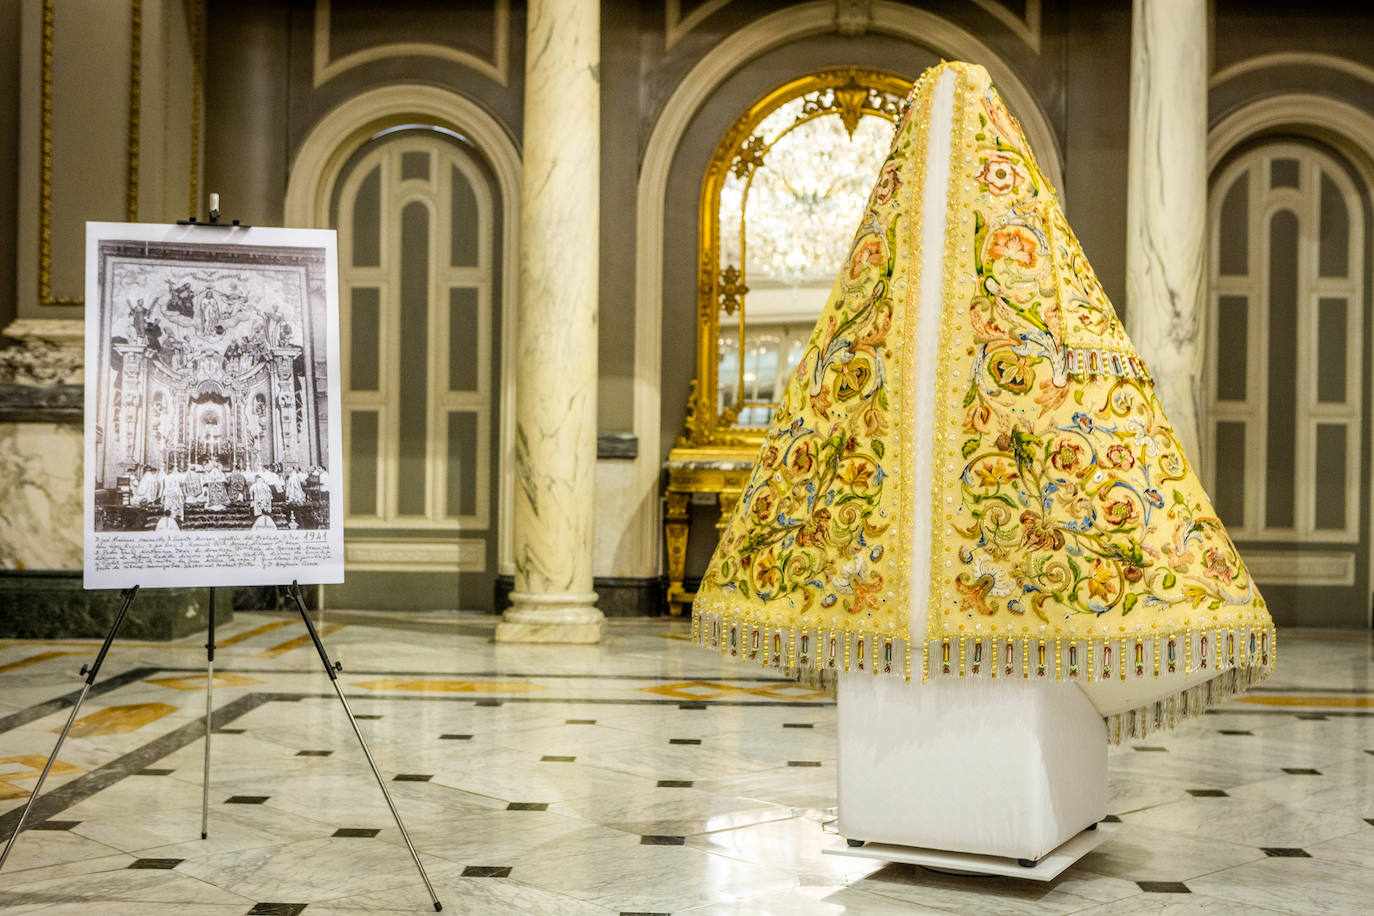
pixel 847 92
pixel 715 455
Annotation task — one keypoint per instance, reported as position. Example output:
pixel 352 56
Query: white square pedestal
pixel 966 863
pixel 1007 768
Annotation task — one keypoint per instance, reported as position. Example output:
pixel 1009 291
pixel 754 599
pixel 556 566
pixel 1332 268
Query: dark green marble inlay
pixel 51 604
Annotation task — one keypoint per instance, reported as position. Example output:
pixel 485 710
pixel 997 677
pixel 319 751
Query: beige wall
pixel 120 137
pixel 89 176
pixel 245 99
pixel 620 144
pixel 1097 98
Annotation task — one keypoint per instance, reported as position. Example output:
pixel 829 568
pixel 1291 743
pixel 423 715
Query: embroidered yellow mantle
pixel 993 472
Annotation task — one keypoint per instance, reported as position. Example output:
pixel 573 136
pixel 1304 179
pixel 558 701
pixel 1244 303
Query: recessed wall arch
pixel 1292 59
pixel 638 501
pixel 497 68
pixel 344 129
pixel 1345 128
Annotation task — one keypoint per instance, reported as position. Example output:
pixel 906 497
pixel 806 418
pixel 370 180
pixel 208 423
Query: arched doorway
pixel 422 187
pixel 416 219
pixel 1286 387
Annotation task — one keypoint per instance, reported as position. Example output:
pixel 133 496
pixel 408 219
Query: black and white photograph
pixel 209 403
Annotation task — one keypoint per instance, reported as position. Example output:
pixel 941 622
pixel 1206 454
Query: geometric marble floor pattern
pixel 642 775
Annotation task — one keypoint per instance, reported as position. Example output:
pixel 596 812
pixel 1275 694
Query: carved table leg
pixel 728 499
pixel 675 526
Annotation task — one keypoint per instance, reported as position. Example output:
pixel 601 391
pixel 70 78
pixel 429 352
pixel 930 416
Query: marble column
pixel 1166 204
pixel 556 346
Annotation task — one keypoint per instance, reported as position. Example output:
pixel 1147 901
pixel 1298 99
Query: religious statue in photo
pixel 970 474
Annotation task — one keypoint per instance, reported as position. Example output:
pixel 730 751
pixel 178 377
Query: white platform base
pixel 965 863
pixel 1008 768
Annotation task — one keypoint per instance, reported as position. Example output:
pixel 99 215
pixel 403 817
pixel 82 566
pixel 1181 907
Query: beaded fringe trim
pixel 1089 362
pixel 1240 656
pixel 1163 715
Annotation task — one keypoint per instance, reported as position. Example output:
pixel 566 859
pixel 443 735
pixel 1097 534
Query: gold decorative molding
pixel 197 89
pixel 692 472
pixel 497 69
pixel 135 103
pixel 45 296
pixel 732 289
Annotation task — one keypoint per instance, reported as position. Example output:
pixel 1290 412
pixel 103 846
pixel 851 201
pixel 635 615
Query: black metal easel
pixel 333 669
pixel 90 671
pixel 209 690
pixel 330 668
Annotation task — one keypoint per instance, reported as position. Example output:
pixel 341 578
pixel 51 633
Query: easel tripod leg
pixel 76 709
pixel 333 671
pixel 209 691
pixel 33 796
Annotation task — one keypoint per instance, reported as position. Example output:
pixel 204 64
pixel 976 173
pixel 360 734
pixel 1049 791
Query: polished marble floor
pixel 640 776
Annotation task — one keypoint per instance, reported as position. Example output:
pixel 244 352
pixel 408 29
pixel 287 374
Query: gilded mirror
pixel 780 203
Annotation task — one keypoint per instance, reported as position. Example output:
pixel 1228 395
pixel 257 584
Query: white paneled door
pixel 1285 381
pixel 417 230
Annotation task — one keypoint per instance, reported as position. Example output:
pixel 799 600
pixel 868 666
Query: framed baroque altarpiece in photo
pixel 212 406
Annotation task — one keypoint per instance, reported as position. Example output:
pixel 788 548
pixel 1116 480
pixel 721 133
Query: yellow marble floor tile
pixel 249 634
pixel 118 720
pixel 709 690
pixel 36 659
pixel 787 691
pixel 695 690
pixel 197 681
pixel 32 766
pixel 302 640
pixel 451 686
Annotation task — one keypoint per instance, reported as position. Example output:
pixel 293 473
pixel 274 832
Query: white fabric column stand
pixel 1002 767
pixel 556 349
pixel 1166 204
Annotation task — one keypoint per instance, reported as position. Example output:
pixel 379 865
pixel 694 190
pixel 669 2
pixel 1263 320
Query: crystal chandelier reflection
pixel 805 197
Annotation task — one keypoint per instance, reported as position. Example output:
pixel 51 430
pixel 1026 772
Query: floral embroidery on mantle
pixel 1069 535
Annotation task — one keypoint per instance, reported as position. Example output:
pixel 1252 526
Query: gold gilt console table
pixel 691 471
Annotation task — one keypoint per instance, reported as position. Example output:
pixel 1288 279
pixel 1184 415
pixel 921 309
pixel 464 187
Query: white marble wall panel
pixel 40 496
